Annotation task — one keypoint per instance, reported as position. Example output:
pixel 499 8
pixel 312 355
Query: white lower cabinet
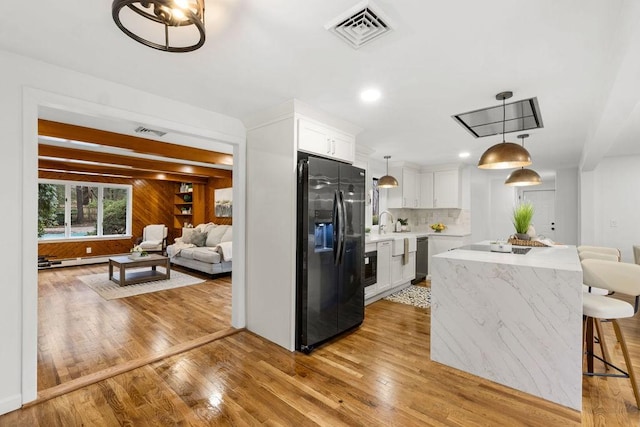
pixel 439 244
pixel 391 272
pixel 409 269
pixel 384 267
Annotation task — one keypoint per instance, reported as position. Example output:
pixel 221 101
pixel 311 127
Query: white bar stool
pixel 600 249
pixel 619 277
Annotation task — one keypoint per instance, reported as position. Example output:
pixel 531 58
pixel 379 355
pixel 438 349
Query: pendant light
pixel 181 21
pixel 523 177
pixel 387 181
pixel 505 155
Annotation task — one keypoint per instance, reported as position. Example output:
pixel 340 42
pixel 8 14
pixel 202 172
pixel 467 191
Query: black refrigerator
pixel 330 250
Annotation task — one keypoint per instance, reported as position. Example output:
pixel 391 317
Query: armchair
pixel 154 238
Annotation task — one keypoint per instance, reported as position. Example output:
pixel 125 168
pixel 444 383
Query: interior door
pixel 544 216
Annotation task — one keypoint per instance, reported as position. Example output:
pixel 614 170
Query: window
pixel 83 210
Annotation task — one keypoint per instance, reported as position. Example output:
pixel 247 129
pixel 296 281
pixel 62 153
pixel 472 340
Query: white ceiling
pixel 578 57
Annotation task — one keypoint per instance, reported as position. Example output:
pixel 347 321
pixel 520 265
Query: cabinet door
pixel 343 147
pixel 440 244
pixel 426 190
pixel 313 138
pixel 318 139
pixel 446 189
pixel 409 269
pixel 396 271
pixel 409 189
pixel 384 267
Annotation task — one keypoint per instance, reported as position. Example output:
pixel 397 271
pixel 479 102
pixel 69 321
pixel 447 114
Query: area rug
pixel 109 290
pixel 419 296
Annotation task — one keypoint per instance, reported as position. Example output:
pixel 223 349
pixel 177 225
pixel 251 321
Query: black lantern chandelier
pixel 181 21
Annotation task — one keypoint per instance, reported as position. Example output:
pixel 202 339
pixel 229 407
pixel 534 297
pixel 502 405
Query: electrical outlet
pixel 89 250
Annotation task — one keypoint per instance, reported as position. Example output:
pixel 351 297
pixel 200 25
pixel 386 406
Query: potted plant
pixel 522 215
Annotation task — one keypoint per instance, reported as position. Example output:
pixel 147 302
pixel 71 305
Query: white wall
pixel 567 204
pixel 610 205
pixel 502 201
pixel 480 194
pixel 25 85
pixel 271 223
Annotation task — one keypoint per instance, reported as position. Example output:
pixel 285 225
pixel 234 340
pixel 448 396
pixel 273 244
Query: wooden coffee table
pixel 133 277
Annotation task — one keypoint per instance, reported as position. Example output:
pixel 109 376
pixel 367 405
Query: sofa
pixel 206 248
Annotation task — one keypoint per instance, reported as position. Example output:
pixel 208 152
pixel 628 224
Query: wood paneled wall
pixel 210 199
pixel 152 204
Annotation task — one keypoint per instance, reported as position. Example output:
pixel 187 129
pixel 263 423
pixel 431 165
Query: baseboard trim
pixel 70 262
pixel 112 371
pixel 10 403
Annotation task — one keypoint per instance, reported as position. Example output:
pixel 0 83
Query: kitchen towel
pixel 405 255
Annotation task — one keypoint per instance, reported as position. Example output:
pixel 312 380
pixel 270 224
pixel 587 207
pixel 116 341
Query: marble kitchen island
pixel 513 319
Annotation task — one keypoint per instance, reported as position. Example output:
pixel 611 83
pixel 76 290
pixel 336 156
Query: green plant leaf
pixel 522 216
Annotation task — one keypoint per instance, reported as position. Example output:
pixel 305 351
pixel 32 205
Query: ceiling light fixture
pixel 387 181
pixel 178 17
pixel 505 155
pixel 464 154
pixel 370 95
pixel 523 177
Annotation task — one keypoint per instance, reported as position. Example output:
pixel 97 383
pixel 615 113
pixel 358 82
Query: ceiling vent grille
pixel 142 129
pixel 360 25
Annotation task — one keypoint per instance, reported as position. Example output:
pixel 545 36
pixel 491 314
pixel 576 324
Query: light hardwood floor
pixel 80 333
pixel 378 375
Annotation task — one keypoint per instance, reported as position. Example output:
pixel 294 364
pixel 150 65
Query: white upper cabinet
pixel 407 193
pixel 446 189
pixel 318 139
pixel 426 190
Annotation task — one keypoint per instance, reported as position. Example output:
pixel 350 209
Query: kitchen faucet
pixel 383 228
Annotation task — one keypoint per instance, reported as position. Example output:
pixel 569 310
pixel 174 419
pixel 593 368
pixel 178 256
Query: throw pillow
pixel 198 238
pixel 228 235
pixel 215 234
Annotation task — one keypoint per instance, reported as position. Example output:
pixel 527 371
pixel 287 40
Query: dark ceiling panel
pixel 519 116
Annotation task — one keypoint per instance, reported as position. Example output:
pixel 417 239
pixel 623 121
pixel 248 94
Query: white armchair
pixel 154 238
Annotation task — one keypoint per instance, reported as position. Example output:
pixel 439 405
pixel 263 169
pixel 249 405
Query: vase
pixel 522 236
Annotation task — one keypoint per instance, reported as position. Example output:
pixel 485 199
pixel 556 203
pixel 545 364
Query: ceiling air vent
pixel 359 25
pixel 142 129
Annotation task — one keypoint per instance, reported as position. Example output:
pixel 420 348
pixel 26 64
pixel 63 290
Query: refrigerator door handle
pixel 343 227
pixel 337 219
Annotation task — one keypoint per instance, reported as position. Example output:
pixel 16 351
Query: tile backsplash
pixel 456 220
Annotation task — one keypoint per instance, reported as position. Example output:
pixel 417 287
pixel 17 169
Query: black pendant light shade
pixel 387 181
pixel 523 177
pixel 505 155
pixel 167 25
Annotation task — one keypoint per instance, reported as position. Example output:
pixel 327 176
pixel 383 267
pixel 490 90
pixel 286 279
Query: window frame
pixel 100 215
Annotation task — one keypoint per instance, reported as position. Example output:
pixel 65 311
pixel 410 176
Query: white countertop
pixel 560 257
pixel 375 237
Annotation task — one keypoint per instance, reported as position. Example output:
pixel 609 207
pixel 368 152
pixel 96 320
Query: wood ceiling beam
pixel 134 143
pixel 155 166
pixel 90 170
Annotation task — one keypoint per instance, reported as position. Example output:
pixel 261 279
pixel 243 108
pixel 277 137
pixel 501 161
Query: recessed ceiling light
pixel 370 95
pixel 464 154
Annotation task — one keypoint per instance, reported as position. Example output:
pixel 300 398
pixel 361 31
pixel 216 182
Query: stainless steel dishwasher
pixel 422 259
